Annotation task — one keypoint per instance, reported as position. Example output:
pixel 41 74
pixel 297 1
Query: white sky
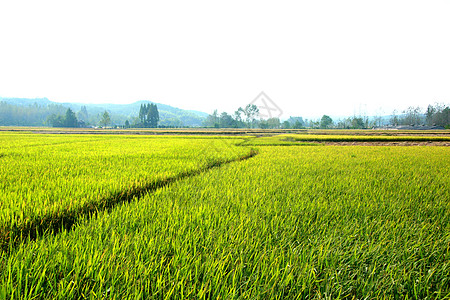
pixel 310 57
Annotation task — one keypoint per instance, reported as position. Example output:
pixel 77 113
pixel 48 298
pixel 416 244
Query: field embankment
pixel 222 131
pixel 348 140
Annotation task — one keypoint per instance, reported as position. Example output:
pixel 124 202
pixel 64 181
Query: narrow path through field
pixel 53 223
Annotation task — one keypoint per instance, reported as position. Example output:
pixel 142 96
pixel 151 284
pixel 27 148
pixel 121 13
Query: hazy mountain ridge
pixel 169 115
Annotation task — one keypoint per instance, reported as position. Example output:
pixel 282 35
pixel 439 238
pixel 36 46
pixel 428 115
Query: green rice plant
pixel 291 222
pixel 46 181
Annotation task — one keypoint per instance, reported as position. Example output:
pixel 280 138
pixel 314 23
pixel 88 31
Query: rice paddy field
pixel 107 216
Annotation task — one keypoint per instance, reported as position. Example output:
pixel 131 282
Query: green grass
pixel 291 222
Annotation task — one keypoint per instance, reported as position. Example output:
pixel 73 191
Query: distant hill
pixel 34 112
pixel 27 101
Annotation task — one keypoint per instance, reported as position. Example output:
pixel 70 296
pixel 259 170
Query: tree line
pixel 57 115
pixel 434 115
pixel 148 116
pixel 247 117
pixel 29 115
pixel 70 119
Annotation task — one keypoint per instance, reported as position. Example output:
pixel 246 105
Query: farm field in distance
pixel 232 215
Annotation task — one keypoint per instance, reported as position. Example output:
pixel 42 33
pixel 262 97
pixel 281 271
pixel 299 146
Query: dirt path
pixel 393 143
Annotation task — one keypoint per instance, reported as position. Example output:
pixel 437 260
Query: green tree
pixel 83 114
pixel 152 115
pixel 297 125
pixel 143 114
pixel 326 122
pixel 273 123
pixel 394 120
pixel 439 115
pixel 148 115
pixel 212 120
pixel 70 119
pixel 296 122
pixel 412 116
pixel 106 119
pixel 286 125
pixel 263 124
pixel 238 114
pixel 56 120
pixel 226 121
pixel 357 123
pixel 250 112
